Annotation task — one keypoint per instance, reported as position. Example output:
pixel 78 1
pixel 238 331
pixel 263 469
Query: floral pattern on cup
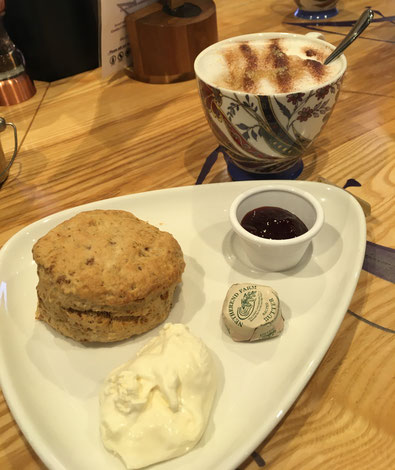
pixel 267 134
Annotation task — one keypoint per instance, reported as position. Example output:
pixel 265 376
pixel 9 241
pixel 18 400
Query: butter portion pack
pixel 252 312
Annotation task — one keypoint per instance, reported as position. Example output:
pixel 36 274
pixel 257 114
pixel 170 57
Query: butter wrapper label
pixel 252 312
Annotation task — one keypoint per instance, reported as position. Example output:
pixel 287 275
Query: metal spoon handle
pixel 360 26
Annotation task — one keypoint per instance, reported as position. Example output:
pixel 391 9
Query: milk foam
pixel 268 66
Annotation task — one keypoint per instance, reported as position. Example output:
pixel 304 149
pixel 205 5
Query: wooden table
pixel 84 139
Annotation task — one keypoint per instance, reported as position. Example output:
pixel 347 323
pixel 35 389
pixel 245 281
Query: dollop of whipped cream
pixel 156 406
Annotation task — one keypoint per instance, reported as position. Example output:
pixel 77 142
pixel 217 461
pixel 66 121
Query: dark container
pixel 57 38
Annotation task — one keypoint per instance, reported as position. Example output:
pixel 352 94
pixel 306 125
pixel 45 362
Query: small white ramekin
pixel 277 255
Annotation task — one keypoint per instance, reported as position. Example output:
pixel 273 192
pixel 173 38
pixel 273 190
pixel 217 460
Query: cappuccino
pixel 268 66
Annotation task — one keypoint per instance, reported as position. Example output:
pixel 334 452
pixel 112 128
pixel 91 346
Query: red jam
pixel 274 223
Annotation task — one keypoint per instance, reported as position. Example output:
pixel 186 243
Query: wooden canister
pixel 164 46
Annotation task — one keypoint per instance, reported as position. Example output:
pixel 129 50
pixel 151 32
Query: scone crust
pixel 106 258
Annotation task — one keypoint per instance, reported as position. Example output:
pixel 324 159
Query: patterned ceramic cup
pixel 268 134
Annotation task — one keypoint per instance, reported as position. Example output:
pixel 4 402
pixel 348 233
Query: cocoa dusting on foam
pixel 316 69
pixel 277 55
pixel 249 55
pixel 270 67
pixel 310 52
pixel 317 54
pixel 251 67
pixel 242 64
pixel 232 79
pixel 280 62
pixel 290 69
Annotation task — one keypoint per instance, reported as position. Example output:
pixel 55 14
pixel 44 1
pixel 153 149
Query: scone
pixel 105 275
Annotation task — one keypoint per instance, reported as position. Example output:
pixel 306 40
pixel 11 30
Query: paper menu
pixel 115 47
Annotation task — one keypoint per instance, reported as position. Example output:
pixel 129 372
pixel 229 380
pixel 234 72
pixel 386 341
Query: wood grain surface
pixel 83 139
